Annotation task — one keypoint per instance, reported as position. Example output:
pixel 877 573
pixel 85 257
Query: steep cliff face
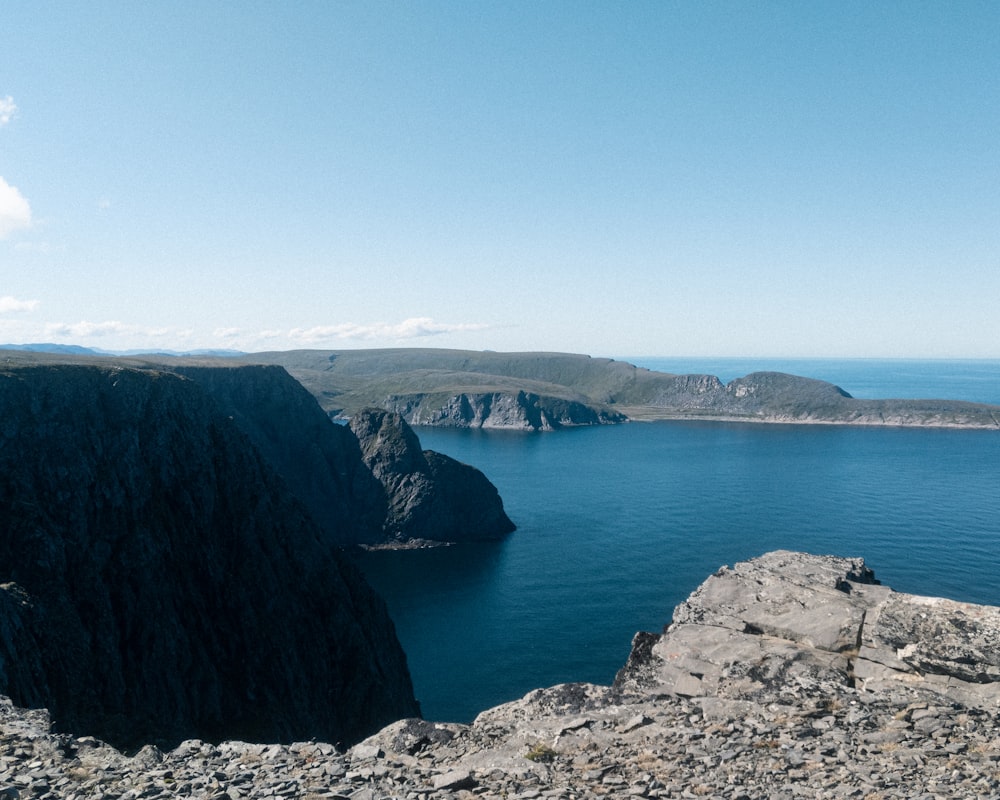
pixel 430 496
pixel 515 410
pixel 380 489
pixel 159 582
pixel 320 462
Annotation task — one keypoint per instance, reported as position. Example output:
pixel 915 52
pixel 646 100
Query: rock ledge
pixel 782 677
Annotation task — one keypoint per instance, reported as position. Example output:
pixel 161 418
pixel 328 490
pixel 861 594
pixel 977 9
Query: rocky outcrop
pixel 749 630
pixel 158 581
pixel 515 410
pixel 430 497
pixel 763 686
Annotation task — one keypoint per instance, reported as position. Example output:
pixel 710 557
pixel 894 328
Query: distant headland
pixel 546 391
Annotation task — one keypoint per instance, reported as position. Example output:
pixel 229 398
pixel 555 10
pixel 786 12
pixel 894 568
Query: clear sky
pixel 618 178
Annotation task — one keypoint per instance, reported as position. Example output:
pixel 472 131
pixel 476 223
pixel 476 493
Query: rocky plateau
pixel 787 676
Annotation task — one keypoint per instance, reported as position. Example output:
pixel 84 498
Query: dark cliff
pixel 430 496
pixel 159 582
pixel 320 461
pixel 367 483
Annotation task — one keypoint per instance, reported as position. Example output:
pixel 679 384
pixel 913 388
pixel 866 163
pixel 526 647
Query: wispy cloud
pixel 85 329
pixel 7 110
pixel 227 333
pixel 413 328
pixel 15 213
pixel 9 304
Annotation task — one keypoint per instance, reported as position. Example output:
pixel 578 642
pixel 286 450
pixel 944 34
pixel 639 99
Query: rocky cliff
pixel 783 677
pixel 321 463
pixel 158 581
pixel 515 410
pixel 430 496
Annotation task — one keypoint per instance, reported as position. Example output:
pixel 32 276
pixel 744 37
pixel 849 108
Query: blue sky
pixel 623 179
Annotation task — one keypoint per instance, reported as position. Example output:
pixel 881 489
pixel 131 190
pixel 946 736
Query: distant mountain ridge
pixel 536 391
pixel 74 349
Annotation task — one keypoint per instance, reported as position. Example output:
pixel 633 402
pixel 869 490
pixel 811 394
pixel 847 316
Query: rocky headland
pixel 548 391
pixel 786 676
pixel 425 497
pixel 171 552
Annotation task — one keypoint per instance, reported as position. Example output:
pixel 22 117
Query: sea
pixel 618 524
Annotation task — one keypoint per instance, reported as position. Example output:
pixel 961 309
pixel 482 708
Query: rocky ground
pixel 781 678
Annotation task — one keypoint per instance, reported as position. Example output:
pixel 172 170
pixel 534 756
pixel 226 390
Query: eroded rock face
pixel 159 582
pixel 750 629
pixel 517 410
pixel 430 496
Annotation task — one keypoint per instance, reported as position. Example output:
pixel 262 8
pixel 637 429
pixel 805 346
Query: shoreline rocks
pixel 772 706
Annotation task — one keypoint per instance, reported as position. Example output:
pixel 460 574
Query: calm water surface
pixel 616 525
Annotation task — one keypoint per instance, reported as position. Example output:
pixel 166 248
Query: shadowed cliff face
pixel 365 484
pixel 159 582
pixel 430 496
pixel 319 461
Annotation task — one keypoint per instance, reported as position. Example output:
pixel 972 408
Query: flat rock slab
pixel 752 629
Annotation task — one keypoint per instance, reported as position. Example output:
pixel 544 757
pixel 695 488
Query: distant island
pixel 537 391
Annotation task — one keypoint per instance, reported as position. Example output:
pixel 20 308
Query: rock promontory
pixel 787 676
pixel 321 463
pixel 367 482
pixel 430 497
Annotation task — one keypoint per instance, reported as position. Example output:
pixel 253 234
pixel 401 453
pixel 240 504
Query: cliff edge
pixel 159 582
pixel 783 677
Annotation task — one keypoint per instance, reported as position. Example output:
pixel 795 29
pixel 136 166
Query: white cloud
pixel 7 110
pixel 227 333
pixel 15 213
pixel 413 328
pixel 8 304
pixel 85 329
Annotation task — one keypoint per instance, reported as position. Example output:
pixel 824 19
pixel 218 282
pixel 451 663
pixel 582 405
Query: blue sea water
pixel 618 524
